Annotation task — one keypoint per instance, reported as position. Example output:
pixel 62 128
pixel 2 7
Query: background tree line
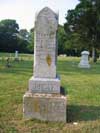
pixel 80 32
pixel 12 38
pixel 82 27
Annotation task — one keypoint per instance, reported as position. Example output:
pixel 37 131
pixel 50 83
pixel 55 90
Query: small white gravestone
pixel 16 55
pixel 84 63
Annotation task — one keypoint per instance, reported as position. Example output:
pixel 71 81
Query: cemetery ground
pixel 82 89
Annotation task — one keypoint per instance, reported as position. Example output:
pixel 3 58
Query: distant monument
pixel 84 63
pixel 43 100
pixel 16 56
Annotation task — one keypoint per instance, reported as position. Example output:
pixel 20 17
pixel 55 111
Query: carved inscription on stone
pixel 43 100
pixel 44 86
pixel 45 44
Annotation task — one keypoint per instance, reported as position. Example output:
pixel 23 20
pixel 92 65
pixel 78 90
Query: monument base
pixel 46 107
pixel 44 85
pixel 84 65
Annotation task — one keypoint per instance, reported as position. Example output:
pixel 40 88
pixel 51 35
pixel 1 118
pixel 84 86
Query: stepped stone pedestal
pixel 49 107
pixel 44 85
pixel 44 100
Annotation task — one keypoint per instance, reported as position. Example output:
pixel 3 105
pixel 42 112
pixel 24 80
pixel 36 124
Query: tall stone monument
pixel 84 63
pixel 43 99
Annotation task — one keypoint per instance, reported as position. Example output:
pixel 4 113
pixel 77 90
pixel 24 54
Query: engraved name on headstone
pixel 45 44
pixel 37 85
pixel 43 100
pixel 45 53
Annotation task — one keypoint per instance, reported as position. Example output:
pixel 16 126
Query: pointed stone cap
pixel 85 53
pixel 46 9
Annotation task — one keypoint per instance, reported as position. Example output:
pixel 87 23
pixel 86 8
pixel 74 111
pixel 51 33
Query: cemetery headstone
pixel 84 63
pixel 43 99
pixel 16 56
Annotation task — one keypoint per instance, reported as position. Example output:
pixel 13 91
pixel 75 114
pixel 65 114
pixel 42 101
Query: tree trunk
pixel 94 58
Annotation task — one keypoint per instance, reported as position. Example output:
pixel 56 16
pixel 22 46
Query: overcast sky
pixel 24 10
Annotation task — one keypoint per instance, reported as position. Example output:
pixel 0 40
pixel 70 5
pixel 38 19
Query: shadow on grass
pixel 63 91
pixel 77 113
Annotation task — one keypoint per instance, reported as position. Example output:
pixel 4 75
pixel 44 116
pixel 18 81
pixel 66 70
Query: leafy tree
pixel 66 41
pixel 84 21
pixel 8 35
pixel 30 47
pixel 11 38
pixel 23 40
pixel 9 25
pixel 23 33
pixel 61 35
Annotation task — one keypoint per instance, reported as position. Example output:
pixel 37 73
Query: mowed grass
pixel 82 88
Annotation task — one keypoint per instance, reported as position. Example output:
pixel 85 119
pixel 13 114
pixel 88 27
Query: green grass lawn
pixel 82 91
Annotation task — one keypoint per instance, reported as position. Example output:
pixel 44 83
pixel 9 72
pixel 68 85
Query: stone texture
pixel 45 44
pixel 84 63
pixel 44 85
pixel 47 107
pixel 43 100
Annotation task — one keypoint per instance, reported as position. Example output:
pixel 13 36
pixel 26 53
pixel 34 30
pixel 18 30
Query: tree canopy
pixel 12 38
pixel 84 23
pixel 80 32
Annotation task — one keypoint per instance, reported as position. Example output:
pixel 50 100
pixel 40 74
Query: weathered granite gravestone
pixel 43 100
pixel 84 63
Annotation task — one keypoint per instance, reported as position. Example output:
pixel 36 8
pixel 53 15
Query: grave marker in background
pixel 16 56
pixel 84 63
